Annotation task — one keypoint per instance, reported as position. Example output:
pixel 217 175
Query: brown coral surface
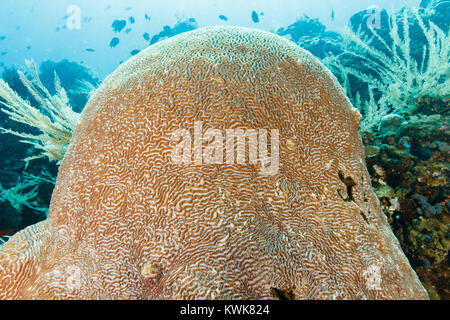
pixel 126 222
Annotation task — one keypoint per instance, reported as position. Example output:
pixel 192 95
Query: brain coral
pixel 126 222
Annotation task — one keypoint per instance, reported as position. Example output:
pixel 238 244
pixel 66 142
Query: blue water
pixel 30 26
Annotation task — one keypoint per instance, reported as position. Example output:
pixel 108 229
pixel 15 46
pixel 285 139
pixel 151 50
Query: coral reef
pixel 24 198
pixel 405 132
pixel 18 197
pixel 43 120
pixel 305 26
pixel 77 79
pixel 409 160
pixel 311 35
pixel 397 71
pixel 55 118
pixel 405 120
pixel 127 222
pixel 437 11
pixel 23 194
pixel 11 77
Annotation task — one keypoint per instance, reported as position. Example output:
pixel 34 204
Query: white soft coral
pixel 400 79
pixel 55 119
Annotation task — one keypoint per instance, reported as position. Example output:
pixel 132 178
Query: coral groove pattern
pixel 127 223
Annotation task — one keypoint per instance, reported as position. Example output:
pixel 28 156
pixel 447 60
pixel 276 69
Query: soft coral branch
pixel 55 119
pixel 395 74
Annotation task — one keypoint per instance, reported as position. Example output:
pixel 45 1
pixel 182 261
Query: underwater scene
pixel 212 149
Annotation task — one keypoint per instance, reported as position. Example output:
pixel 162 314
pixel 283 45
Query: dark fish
pixel 147 17
pixel 146 36
pixel 180 27
pixel 135 52
pixel 90 50
pixel 114 42
pixel 2 37
pixel 155 39
pixel 332 14
pixel 131 19
pixel 255 17
pixel 222 17
pixel 128 30
pixel 7 232
pixel 118 25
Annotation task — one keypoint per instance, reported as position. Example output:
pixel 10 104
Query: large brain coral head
pixel 127 221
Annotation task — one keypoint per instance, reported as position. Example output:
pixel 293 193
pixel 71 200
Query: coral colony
pixel 233 163
pixel 125 223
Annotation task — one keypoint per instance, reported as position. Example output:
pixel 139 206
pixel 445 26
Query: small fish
pixel 128 9
pixel 28 47
pixel 146 36
pixel 128 30
pixel 57 29
pixel 131 19
pixel 135 52
pixel 108 7
pixel 255 17
pixel 18 28
pixel 2 64
pixel 2 37
pixel 332 14
pixel 222 17
pixel 261 14
pixel 114 42
pixel 405 143
pixel 118 25
pixel 147 17
pixel 155 39
pixel 4 52
pixel 90 50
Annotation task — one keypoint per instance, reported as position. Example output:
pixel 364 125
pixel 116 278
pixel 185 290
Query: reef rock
pixel 128 222
pixel 391 122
